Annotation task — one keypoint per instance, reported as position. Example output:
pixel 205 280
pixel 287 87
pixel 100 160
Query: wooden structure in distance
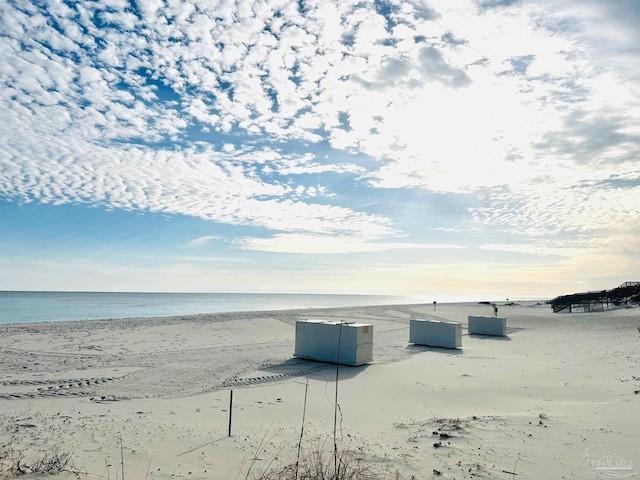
pixel 597 301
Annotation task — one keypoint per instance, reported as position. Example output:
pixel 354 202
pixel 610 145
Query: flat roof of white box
pixel 337 322
pixel 433 321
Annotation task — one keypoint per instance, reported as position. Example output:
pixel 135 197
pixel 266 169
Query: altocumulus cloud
pixel 266 113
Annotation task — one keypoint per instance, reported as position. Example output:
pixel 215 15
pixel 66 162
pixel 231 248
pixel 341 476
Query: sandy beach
pixel 555 398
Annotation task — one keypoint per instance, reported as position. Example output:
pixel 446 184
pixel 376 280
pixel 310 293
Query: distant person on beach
pixel 495 310
pixel 434 305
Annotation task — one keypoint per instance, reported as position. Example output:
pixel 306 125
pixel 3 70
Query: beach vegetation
pixel 16 461
pixel 319 463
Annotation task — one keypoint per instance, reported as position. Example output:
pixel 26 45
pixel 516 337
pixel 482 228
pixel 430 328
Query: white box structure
pixel 318 340
pixel 435 333
pixel 488 325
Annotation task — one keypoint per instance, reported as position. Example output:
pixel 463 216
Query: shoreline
pixel 34 307
pixel 538 398
pixel 282 311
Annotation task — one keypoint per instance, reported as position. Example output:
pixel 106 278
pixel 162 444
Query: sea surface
pixel 26 307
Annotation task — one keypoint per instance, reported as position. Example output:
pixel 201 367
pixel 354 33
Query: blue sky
pixel 451 149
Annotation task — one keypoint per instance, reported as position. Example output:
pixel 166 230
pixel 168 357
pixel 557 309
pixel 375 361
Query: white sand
pixel 532 403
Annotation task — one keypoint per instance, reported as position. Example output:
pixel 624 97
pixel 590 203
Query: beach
pixel 151 397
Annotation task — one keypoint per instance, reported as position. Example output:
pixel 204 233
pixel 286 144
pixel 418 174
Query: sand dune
pixel 549 400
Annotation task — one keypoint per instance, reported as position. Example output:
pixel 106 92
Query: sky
pixel 447 149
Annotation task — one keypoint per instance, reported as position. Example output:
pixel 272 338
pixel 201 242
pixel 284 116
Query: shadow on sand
pixel 506 338
pixel 413 349
pixel 299 367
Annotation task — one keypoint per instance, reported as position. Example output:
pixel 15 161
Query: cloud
pixel 531 249
pixel 197 181
pixel 602 135
pixel 436 68
pixel 202 241
pixel 323 244
pixel 488 4
pixel 589 226
pixel 272 114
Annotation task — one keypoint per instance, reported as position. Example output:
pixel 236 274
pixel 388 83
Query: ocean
pixel 26 307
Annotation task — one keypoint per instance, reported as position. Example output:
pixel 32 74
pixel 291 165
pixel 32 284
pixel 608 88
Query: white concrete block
pixel 318 340
pixel 435 333
pixel 496 326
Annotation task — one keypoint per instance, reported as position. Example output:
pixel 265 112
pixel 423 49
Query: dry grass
pixel 16 461
pixel 317 462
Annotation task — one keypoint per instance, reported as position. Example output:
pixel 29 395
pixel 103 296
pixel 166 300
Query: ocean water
pixel 24 307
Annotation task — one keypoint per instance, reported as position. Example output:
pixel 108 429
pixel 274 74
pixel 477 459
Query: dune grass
pixel 319 461
pixel 16 461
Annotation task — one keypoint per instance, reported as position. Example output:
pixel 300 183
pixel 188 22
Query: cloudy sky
pixel 444 148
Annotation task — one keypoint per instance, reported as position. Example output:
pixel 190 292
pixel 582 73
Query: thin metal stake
pixel 122 456
pixel 230 409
